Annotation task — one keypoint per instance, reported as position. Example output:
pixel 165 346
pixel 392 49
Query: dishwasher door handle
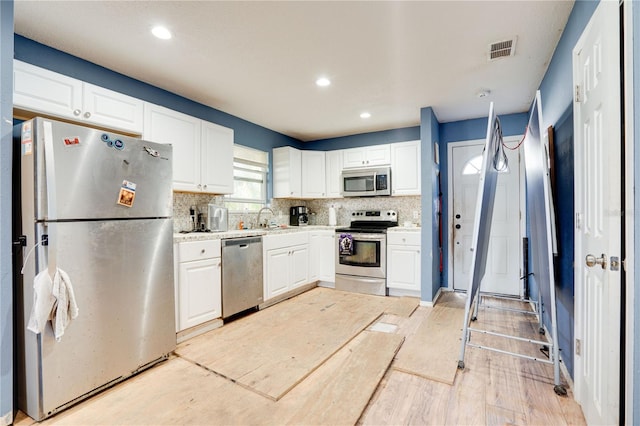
pixel 242 246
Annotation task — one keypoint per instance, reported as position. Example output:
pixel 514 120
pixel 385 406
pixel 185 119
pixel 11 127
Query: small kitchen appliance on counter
pixel 361 262
pixel 216 218
pixel 298 216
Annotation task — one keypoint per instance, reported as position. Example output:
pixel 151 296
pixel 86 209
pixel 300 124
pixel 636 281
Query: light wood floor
pixel 492 389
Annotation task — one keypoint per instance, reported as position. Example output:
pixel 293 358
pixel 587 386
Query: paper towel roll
pixel 332 216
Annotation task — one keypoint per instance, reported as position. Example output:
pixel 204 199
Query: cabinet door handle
pixel 87 114
pixel 205 186
pixel 202 251
pixel 199 186
pixel 76 112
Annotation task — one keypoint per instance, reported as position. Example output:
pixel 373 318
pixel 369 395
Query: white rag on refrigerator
pixel 52 300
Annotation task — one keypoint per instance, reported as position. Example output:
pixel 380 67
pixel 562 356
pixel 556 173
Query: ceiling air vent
pixel 502 49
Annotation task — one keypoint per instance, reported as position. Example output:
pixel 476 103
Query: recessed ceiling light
pixel 161 32
pixel 323 82
pixel 365 115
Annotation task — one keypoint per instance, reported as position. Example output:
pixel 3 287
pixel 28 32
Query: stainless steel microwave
pixel 367 182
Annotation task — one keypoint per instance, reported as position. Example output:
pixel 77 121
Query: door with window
pixel 503 263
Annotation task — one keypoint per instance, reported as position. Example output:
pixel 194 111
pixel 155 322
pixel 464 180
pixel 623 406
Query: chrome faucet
pixel 258 224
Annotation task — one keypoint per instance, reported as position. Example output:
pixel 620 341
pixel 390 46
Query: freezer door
pixel 84 173
pixel 122 276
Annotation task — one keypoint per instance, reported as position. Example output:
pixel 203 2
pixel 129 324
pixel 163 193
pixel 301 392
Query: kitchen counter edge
pixel 236 233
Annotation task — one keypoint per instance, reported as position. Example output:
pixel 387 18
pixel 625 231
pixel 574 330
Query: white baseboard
pixel 435 298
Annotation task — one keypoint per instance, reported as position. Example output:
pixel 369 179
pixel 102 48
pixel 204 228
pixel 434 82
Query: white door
pixel 503 263
pixel 598 215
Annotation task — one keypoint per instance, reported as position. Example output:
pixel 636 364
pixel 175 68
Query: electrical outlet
pixel 416 214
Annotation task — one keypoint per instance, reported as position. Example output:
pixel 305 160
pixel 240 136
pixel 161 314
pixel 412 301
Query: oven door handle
pixel 368 237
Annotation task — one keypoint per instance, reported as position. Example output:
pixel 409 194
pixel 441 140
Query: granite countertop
pixel 238 233
pixel 405 229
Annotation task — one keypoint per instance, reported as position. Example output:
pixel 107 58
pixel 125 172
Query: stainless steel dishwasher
pixel 241 274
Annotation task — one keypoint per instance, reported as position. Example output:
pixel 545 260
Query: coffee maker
pixel 298 216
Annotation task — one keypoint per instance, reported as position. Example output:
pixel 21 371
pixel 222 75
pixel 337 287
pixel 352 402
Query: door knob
pixel 592 261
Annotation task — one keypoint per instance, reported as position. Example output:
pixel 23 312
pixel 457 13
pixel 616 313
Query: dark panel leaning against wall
pixel 564 169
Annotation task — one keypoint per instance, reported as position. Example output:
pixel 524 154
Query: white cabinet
pixel 334 164
pixel 217 158
pixel 375 155
pixel 287 173
pixel 405 168
pixel 313 174
pixel 198 284
pixel 163 125
pixel 403 263
pixel 202 151
pixel 286 262
pixel 322 256
pixel 39 90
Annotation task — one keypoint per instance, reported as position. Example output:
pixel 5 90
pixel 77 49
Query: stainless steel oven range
pixel 361 261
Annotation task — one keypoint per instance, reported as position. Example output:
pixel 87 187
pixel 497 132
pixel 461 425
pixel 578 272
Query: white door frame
pixel 511 141
pixel 628 148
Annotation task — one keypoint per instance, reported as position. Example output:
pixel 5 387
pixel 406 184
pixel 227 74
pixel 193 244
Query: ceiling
pixel 259 60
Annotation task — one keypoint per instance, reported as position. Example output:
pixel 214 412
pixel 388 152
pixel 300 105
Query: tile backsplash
pixel 319 209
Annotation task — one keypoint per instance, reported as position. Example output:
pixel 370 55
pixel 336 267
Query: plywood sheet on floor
pixel 174 392
pixel 433 351
pixel 402 306
pixel 273 350
pixel 180 392
pixel 338 392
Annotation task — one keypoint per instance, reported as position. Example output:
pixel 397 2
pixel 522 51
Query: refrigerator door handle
pixel 50 175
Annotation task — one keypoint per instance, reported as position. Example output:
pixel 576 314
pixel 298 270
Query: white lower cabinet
pixel 322 252
pixel 286 262
pixel 403 263
pixel 198 283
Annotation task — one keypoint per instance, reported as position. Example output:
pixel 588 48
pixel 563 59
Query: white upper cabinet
pixel 405 168
pixel 287 172
pixel 163 125
pixel 217 158
pixel 42 91
pixel 313 174
pixel 376 155
pixel 111 109
pixel 334 164
pixel 202 151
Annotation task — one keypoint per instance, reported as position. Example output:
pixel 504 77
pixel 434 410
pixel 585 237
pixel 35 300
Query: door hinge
pixel 578 221
pixel 578 346
pixel 578 93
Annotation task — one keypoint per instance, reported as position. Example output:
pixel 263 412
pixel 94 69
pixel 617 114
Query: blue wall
pixel 557 111
pixel 365 139
pixel 429 257
pixel 245 132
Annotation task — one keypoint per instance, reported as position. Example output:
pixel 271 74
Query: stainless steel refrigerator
pixel 98 206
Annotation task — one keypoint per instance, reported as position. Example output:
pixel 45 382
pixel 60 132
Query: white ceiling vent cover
pixel 502 49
